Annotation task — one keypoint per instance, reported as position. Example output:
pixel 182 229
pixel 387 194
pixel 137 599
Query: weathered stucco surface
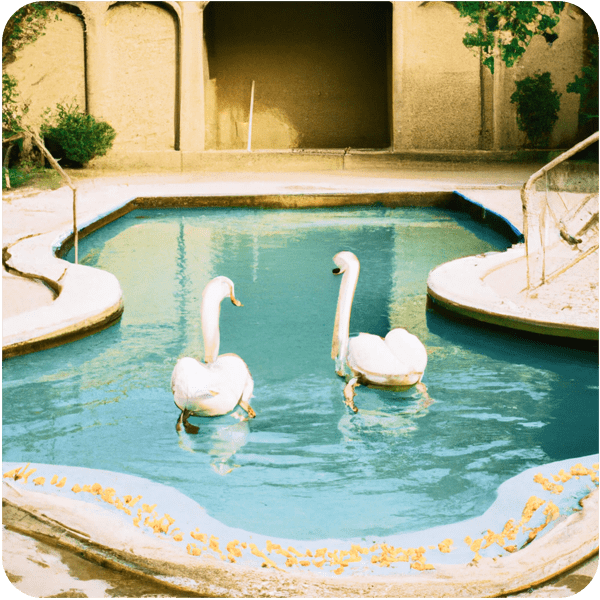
pixel 141 72
pixel 440 104
pixel 52 70
pixel 561 60
pixel 384 75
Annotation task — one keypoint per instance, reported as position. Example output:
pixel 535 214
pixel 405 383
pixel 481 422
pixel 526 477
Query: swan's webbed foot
pixel 349 394
pixel 428 400
pixel 248 409
pixel 183 420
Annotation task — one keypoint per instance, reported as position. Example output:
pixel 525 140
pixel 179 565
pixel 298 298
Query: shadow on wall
pixel 321 73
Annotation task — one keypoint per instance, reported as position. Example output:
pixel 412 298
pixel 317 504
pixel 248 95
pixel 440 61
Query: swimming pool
pixel 305 468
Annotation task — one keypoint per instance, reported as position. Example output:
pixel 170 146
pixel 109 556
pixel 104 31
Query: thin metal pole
pixel 250 119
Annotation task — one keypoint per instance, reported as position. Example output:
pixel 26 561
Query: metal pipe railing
pixel 533 216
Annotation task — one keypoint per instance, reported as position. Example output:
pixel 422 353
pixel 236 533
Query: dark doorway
pixel 320 71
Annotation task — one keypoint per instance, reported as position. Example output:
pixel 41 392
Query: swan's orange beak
pixel 235 301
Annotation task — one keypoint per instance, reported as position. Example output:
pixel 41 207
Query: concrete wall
pixel 439 104
pixel 563 60
pixel 141 64
pixel 52 70
pixel 174 78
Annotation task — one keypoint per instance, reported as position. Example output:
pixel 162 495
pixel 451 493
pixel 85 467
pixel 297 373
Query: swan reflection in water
pixel 381 417
pixel 227 436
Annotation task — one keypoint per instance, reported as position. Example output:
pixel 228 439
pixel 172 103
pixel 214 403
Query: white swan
pixel 397 361
pixel 218 385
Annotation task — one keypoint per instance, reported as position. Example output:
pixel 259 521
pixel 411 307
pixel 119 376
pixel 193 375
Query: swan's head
pixel 221 287
pixel 345 261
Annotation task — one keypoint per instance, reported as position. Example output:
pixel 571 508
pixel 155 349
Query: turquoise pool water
pixel 305 468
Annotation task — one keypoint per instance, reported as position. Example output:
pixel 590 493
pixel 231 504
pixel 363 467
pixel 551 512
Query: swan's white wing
pixel 191 383
pixel 232 379
pixel 378 363
pixel 369 356
pixel 213 389
pixel 408 349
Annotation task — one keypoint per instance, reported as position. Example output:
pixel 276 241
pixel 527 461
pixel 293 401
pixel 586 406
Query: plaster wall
pixel 440 104
pixel 328 75
pixel 563 60
pixel 140 101
pixel 51 70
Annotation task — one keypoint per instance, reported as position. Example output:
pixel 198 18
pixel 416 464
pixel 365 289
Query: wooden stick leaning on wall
pixel 11 144
pixel 54 163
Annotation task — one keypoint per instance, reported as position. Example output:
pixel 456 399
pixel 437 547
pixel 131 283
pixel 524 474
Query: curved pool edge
pixel 92 300
pixel 103 532
pixel 458 287
pixel 88 299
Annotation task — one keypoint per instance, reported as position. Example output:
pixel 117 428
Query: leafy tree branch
pixel 508 26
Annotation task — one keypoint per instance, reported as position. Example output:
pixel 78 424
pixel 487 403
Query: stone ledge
pixel 104 536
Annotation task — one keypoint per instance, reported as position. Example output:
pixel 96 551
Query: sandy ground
pixel 39 569
pixel 42 570
pixel 575 290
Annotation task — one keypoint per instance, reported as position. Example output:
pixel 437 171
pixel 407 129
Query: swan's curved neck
pixel 341 329
pixel 211 312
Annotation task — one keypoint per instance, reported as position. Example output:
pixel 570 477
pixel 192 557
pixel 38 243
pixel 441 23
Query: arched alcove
pixel 51 70
pixel 321 71
pixel 141 63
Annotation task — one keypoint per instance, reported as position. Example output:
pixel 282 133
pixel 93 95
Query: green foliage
pixel 46 179
pixel 18 177
pixel 587 86
pixel 537 105
pixel 510 25
pixel 13 111
pixel 77 134
pixel 25 26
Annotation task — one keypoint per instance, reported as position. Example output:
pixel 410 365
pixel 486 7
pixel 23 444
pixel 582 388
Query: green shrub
pixel 587 87
pixel 17 177
pixel 537 105
pixel 13 111
pixel 78 135
pixel 29 175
